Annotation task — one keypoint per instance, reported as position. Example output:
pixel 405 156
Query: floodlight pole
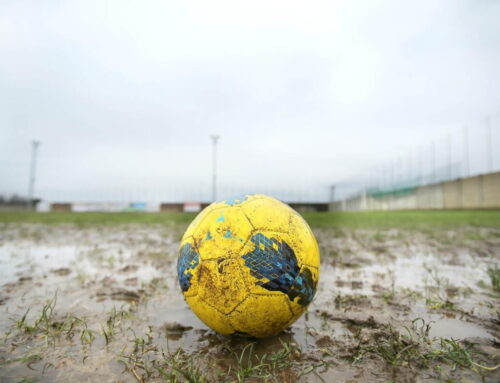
pixel 214 138
pixel 332 193
pixel 31 187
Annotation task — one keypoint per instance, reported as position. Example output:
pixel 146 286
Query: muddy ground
pixel 102 304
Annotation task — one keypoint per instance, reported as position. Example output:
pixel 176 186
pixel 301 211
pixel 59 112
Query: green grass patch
pixel 95 219
pixel 495 278
pixel 419 220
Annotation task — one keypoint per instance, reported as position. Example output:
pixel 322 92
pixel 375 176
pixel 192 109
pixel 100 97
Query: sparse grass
pixel 389 295
pixel 47 325
pixel 87 336
pixel 27 379
pixel 494 274
pixel 388 344
pixel 146 362
pixel 114 320
pixel 458 355
pixel 436 288
pixel 179 366
pixel 280 365
pixel 245 364
pixel 30 358
pixel 242 364
pixel 267 367
pixel 415 220
pixel 437 304
pixel 413 348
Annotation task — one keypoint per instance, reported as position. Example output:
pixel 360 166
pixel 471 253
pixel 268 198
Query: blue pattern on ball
pixel 187 261
pixel 236 200
pixel 276 262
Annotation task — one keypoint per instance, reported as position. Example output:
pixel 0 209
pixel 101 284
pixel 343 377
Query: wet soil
pixel 103 304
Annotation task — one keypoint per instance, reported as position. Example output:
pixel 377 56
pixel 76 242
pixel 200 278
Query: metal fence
pixel 469 151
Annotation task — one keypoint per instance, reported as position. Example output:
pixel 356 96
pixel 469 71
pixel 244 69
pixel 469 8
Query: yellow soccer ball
pixel 248 265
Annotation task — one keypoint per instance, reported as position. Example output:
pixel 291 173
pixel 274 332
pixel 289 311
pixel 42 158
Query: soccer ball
pixel 248 265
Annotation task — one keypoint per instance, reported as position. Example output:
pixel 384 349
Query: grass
pixel 267 367
pixel 388 344
pixel 414 348
pixel 50 327
pixel 234 364
pixel 458 355
pixel 114 320
pixel 406 219
pixel 93 219
pixel 183 366
pixel 424 220
pixel 245 367
pixel 494 274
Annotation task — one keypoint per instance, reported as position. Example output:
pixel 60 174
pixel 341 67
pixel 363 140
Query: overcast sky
pixel 124 94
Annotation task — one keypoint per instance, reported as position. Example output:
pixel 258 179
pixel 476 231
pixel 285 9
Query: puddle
pixel 458 329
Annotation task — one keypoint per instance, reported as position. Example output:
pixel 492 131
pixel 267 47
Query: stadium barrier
pixel 477 192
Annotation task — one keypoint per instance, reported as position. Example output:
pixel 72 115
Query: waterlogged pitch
pixel 248 265
pixel 403 297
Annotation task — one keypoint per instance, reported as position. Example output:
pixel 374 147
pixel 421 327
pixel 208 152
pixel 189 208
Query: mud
pixel 103 304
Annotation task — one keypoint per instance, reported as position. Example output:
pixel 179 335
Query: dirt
pixel 103 304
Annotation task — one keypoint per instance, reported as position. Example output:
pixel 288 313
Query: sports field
pixel 403 297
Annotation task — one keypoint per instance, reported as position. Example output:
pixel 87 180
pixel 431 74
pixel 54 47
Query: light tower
pixel 31 186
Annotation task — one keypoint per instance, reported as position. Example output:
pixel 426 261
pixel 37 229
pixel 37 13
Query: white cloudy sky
pixel 124 94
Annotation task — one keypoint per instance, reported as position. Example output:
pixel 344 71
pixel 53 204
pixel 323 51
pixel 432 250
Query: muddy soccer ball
pixel 248 265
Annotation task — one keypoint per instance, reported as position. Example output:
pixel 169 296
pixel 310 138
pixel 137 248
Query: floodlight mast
pixel 31 187
pixel 215 138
